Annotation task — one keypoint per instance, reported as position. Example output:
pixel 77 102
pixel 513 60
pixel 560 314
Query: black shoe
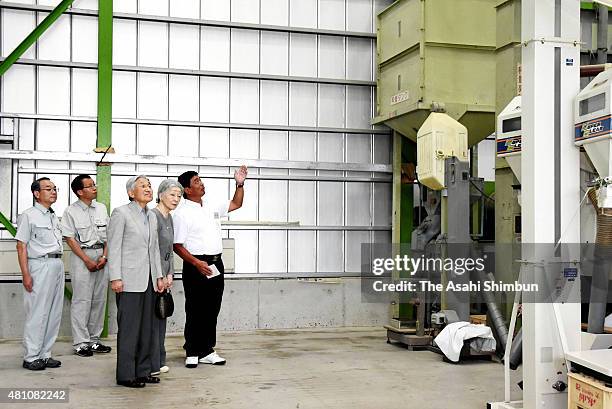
pixel 83 351
pixel 134 383
pixel 52 363
pixel 37 365
pixel 100 348
pixel 148 379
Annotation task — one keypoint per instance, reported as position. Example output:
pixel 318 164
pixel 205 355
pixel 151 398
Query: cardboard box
pixel 588 393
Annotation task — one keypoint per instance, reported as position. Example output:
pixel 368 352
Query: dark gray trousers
pixel 159 349
pixel 136 332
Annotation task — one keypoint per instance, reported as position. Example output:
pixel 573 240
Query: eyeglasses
pixel 89 187
pixel 49 189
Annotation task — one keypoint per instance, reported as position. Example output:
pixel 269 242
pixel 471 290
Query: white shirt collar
pixel 191 203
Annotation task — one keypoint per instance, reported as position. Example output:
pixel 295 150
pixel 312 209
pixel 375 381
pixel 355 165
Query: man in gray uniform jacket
pixel 84 227
pixel 39 250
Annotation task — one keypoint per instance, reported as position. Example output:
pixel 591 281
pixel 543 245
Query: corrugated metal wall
pixel 269 81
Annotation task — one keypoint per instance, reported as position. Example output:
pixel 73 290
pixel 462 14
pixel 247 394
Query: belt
pixel 208 258
pixel 52 255
pixel 94 247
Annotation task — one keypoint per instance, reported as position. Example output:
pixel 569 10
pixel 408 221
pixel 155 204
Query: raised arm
pixel 239 176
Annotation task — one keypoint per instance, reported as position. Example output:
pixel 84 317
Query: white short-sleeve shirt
pixel 198 227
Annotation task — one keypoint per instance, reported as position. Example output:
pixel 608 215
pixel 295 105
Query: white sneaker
pixel 191 362
pixel 213 358
pixel 155 373
pixel 164 369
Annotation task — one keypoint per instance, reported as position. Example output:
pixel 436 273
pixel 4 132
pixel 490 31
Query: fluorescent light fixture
pixel 604 2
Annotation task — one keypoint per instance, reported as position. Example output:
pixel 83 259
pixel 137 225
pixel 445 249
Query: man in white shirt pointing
pixel 197 240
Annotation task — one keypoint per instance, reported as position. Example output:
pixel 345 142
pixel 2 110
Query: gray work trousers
pixel 88 299
pixel 43 307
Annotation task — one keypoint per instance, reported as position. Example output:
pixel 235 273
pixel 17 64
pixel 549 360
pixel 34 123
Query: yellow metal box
pixel 437 53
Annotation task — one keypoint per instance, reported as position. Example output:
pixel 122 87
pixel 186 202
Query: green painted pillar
pixel 105 107
pixel 105 93
pixel 409 155
pixel 396 220
pixel 404 151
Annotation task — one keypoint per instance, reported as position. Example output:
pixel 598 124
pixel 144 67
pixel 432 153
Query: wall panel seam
pixel 191 21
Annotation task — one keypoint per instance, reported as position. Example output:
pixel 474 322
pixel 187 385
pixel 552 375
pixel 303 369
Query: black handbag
pixel 164 305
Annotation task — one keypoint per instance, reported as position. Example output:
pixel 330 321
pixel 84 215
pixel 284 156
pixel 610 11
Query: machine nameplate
pixel 400 97
pixel 509 145
pixel 592 129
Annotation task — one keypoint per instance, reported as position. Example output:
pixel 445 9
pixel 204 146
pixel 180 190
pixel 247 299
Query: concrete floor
pixel 324 368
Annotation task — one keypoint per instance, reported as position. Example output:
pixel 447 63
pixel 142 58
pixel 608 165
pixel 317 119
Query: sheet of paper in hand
pixel 215 271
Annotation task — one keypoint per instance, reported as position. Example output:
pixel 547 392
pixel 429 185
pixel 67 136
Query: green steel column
pixel 404 151
pixel 105 95
pixel 409 155
pixel 396 219
pixel 34 35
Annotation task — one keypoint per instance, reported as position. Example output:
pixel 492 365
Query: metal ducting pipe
pixel 516 353
pixel 497 319
pixel 599 282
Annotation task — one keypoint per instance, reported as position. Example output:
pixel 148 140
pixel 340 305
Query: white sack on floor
pixel 450 340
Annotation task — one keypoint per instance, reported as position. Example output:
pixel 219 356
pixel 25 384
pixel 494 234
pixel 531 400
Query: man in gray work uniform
pixel 39 250
pixel 84 227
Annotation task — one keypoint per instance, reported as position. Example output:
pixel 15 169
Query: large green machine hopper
pixel 437 53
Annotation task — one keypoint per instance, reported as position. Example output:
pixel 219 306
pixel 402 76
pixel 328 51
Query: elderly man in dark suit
pixel 135 272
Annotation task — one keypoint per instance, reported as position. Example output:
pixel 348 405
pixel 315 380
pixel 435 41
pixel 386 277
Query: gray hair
pixel 131 183
pixel 166 185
